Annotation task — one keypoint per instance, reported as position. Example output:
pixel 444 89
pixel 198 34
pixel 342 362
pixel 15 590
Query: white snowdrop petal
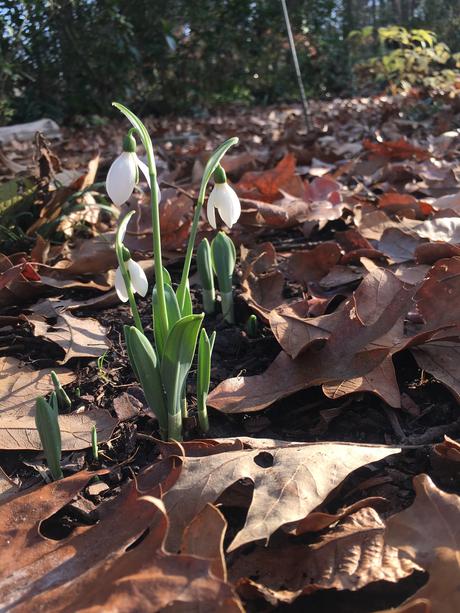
pixel 120 286
pixel 211 214
pixel 143 168
pixel 229 205
pixel 121 178
pixel 138 278
pixel 145 171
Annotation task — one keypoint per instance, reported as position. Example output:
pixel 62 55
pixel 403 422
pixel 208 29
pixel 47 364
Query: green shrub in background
pixel 70 58
pixel 406 59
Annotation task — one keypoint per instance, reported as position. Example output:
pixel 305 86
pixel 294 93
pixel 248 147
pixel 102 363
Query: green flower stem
pixel 189 252
pixel 208 171
pixel 158 263
pixel 147 142
pixel 209 300
pixel 125 273
pixel 227 307
pixel 175 426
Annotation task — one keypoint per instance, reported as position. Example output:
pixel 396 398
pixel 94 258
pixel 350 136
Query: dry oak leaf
pixel 20 385
pixel 19 388
pixel 399 149
pixel 313 265
pixel 381 381
pixel 404 205
pixel 353 341
pixel 211 522
pixel 349 557
pixel 428 534
pixel 103 567
pixel 430 253
pixel 268 182
pixel 79 337
pixel 20 520
pixel 290 481
pixel 370 317
pixel 442 360
pixel 438 299
pixel 445 459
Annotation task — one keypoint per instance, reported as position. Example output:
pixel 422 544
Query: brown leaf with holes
pixel 100 567
pixel 348 557
pixel 290 480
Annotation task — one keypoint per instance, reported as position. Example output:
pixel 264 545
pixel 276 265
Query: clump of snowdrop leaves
pixel 223 198
pixel 123 174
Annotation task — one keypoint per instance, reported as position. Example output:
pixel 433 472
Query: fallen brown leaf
pixel 267 182
pixel 347 558
pixel 400 149
pixel 77 336
pixel 347 344
pixel 381 381
pixel 19 388
pixel 442 360
pixel 102 563
pixel 313 265
pixel 427 534
pixel 289 482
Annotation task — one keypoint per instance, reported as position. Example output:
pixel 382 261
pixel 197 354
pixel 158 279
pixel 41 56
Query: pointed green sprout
pixel 94 444
pixel 62 398
pixel 252 326
pixel 224 259
pixel 206 274
pixel 177 358
pixel 205 348
pixel 46 420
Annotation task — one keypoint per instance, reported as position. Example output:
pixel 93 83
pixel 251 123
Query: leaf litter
pixel 349 254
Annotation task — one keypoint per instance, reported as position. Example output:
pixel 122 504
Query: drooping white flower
pixel 137 277
pixel 136 274
pixel 123 174
pixel 224 199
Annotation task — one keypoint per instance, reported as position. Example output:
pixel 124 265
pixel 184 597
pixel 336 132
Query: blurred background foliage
pixel 68 59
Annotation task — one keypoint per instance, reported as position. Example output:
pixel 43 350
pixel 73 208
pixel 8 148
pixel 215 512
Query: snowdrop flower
pixel 123 174
pixel 138 279
pixel 136 274
pixel 224 199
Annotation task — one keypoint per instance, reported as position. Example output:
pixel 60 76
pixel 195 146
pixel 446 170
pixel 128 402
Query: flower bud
pixel 206 275
pixel 224 259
